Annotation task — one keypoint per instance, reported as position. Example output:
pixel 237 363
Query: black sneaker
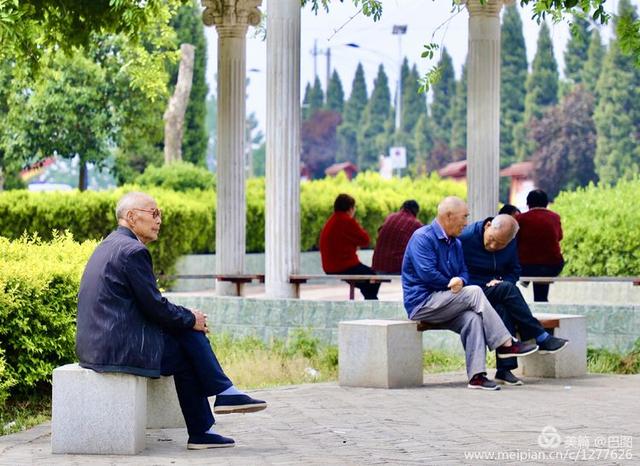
pixel 204 441
pixel 507 378
pixel 516 349
pixel 227 404
pixel 481 382
pixel 552 345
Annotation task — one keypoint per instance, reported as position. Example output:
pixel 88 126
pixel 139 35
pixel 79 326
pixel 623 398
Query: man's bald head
pixel 139 213
pixel 452 215
pixel 499 232
pixel 130 201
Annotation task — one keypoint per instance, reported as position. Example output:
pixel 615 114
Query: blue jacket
pixel 483 265
pixel 430 262
pixel 121 313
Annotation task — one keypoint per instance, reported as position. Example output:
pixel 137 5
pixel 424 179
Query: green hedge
pixel 179 176
pixel 601 226
pixel 188 219
pixel 38 297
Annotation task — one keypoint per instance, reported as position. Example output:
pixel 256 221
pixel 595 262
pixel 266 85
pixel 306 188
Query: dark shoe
pixel 204 441
pixel 552 345
pixel 516 349
pixel 227 404
pixel 507 378
pixel 481 382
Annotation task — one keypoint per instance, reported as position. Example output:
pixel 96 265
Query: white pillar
pixel 483 108
pixel 231 19
pixel 282 241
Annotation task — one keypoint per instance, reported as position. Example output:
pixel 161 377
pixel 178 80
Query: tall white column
pixel 483 107
pixel 231 19
pixel 282 255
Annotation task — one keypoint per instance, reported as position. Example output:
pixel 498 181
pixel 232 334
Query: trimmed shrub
pixel 179 176
pixel 188 219
pixel 38 298
pixel 601 229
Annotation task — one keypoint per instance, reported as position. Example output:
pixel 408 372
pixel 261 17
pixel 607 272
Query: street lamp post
pixel 399 30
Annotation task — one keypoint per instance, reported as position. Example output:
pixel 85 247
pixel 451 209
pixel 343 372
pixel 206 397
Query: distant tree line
pixel 585 127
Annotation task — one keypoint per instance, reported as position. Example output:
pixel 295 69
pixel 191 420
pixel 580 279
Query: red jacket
pixel 539 237
pixel 393 236
pixel 340 238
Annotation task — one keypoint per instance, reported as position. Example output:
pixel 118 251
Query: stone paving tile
pixel 436 424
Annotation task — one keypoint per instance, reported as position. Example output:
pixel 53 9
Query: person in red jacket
pixel 539 242
pixel 340 238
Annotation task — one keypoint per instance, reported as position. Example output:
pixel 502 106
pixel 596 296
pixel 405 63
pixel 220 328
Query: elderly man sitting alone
pixel 125 325
pixel 436 290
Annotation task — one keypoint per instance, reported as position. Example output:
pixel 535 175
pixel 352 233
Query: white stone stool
pixel 571 361
pixel 97 413
pixel 163 408
pixel 379 353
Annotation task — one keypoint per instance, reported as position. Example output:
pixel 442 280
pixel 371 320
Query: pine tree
pixel 306 102
pixel 513 56
pixel 352 116
pixel 316 97
pixel 593 66
pixel 404 76
pixel 422 143
pixel 575 55
pixel 459 119
pixel 335 94
pixel 617 115
pixel 189 29
pixel 542 91
pixel 413 104
pixel 373 135
pixel 441 110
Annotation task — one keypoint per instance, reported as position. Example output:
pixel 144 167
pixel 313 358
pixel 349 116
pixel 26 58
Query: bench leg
pixel 352 291
pixel 570 362
pixel 379 353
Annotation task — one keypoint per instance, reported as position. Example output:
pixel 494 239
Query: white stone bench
pixel 570 362
pixel 107 413
pixel 379 354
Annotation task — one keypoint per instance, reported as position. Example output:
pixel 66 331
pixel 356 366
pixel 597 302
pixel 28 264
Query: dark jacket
pixel 121 312
pixel 483 265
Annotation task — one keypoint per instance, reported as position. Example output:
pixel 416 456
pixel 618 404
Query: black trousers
pixel 188 356
pixel 508 302
pixel 541 290
pixel 368 290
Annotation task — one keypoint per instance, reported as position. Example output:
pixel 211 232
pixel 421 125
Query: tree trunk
pixel 177 107
pixel 1 179
pixel 83 179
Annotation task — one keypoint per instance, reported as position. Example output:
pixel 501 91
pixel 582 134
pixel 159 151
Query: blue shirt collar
pixel 440 234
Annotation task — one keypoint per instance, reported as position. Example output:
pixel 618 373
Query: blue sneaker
pixel 204 441
pixel 227 404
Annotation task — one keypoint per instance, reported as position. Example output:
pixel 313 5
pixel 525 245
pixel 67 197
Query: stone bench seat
pixel 107 413
pixel 388 353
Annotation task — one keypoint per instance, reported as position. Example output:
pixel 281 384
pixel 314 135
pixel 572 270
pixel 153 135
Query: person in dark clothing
pixel 125 325
pixel 340 238
pixel 509 209
pixel 539 242
pixel 393 237
pixel 491 256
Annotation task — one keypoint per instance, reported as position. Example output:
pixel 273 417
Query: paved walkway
pixel 594 419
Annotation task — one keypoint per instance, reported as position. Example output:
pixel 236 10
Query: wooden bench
pixel 352 280
pixel 239 279
pixel 634 280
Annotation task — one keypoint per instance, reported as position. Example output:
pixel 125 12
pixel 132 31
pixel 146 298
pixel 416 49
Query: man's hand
pixel 201 321
pixel 494 282
pixel 455 284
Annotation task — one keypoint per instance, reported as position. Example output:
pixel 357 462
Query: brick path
pixel 324 424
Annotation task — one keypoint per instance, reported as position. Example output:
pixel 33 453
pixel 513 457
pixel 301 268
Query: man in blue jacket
pixel 436 289
pixel 491 256
pixel 125 325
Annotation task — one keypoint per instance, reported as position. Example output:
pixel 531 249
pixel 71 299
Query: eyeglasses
pixel 155 213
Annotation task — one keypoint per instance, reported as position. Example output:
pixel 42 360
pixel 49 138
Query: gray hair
pixel 506 223
pixel 129 202
pixel 450 204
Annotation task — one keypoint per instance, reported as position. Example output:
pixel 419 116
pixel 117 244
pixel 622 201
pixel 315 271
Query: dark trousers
pixel 541 290
pixel 368 290
pixel 188 356
pixel 508 302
